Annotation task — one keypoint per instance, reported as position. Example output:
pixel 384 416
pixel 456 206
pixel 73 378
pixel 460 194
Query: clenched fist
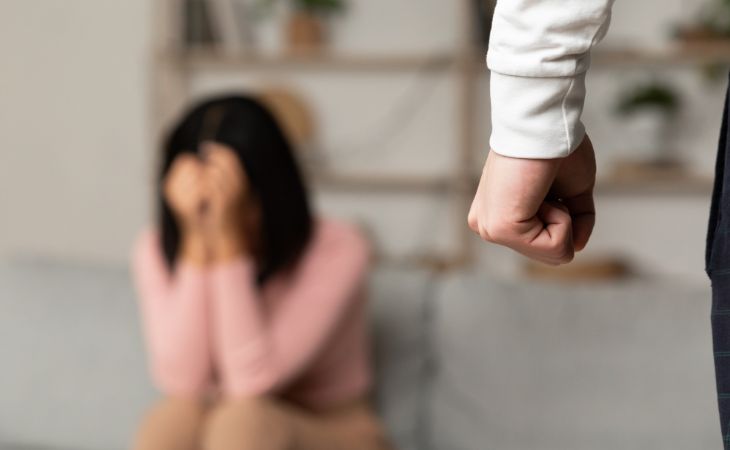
pixel 541 208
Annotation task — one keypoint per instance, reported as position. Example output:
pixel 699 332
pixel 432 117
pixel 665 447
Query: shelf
pixel 384 183
pixel 686 185
pixel 174 68
pixel 680 54
pixel 206 58
pixel 431 261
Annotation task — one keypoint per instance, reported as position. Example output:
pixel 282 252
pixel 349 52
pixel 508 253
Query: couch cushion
pixel 73 366
pixel 8 446
pixel 549 367
pixel 74 373
pixel 400 309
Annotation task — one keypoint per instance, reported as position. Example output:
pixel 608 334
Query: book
pixel 225 21
pixel 483 14
pixel 197 28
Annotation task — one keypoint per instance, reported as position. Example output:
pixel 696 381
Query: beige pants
pixel 257 424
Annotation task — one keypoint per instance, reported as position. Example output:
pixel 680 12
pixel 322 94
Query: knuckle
pixel 485 235
pixel 555 249
pixel 564 255
pixel 498 230
pixel 472 221
pixel 568 259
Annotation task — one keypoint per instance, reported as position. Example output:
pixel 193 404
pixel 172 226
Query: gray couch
pixel 463 362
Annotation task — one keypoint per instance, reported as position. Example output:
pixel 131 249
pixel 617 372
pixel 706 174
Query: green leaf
pixel 654 95
pixel 319 6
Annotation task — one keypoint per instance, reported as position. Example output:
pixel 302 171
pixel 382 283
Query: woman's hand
pixel 185 192
pixel 226 182
pixel 210 200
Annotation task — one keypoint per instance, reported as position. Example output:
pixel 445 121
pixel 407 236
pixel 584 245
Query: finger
pixel 554 242
pixel 191 182
pixel 541 257
pixel 185 162
pixel 472 219
pixel 582 230
pixel 218 182
pixel 223 181
pixel 475 212
pixel 214 172
pixel 204 201
pixel 186 170
pixel 217 197
pixel 583 212
pixel 232 167
pixel 211 184
pixel 222 157
pixel 192 179
pixel 177 188
pixel 197 188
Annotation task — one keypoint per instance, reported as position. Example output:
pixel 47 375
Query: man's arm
pixel 538 56
pixel 536 192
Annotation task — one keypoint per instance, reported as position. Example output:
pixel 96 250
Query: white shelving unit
pixel 680 55
pixel 174 66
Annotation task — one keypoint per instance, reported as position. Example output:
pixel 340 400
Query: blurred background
pixel 388 103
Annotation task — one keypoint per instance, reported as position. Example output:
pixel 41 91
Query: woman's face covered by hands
pixel 210 193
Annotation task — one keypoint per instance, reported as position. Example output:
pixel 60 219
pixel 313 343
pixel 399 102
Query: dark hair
pixel 252 132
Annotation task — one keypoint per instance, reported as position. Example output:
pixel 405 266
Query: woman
pixel 253 310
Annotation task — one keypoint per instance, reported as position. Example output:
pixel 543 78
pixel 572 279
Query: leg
pixel 248 424
pixel 267 424
pixel 172 424
pixel 718 267
pixel 721 338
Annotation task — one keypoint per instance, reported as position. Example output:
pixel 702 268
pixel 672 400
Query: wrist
pixel 195 249
pixel 228 246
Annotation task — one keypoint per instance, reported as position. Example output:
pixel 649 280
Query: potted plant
pixel 712 24
pixel 649 110
pixel 307 27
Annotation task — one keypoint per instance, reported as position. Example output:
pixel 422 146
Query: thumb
pixel 583 212
pixel 554 243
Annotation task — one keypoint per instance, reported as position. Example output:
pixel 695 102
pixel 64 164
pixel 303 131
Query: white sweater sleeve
pixel 539 53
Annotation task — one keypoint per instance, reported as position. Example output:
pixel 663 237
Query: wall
pixel 73 126
pixel 74 178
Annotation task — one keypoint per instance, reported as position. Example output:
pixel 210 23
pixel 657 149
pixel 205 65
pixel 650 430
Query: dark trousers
pixel 718 268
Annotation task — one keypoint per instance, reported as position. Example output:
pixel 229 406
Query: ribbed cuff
pixel 537 118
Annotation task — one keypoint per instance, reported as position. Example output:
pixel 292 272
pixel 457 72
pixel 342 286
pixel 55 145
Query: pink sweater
pixel 303 336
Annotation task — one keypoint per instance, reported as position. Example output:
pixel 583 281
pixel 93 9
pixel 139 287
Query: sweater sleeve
pixel 260 353
pixel 174 319
pixel 539 54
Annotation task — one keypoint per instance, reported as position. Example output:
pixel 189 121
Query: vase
pixel 305 33
pixel 647 134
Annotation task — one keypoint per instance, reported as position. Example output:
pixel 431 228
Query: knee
pixel 188 412
pixel 173 423
pixel 188 407
pixel 254 412
pixel 368 433
pixel 247 424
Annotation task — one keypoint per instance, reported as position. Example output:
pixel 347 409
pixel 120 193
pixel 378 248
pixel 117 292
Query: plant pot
pixel 646 133
pixel 306 33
